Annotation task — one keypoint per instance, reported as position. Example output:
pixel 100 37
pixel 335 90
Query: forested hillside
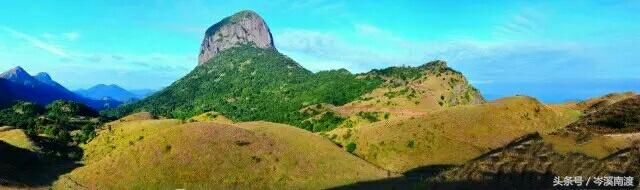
pixel 250 84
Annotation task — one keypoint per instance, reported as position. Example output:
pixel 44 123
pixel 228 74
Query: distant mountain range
pixel 18 85
pixel 102 91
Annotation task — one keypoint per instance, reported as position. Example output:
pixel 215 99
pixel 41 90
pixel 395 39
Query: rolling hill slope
pixel 532 163
pixel 425 88
pixel 450 136
pixel 17 138
pixel 621 116
pixel 206 155
pixel 405 92
pixel 594 104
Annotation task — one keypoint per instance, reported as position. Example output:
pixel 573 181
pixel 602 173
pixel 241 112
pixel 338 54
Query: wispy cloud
pixel 94 58
pixel 328 51
pixel 71 36
pixel 368 29
pixel 117 57
pixel 506 60
pixel 38 43
pixel 127 67
pixel 525 22
pixel 384 36
pixel 66 36
pixel 323 6
pixel 337 10
pixel 476 82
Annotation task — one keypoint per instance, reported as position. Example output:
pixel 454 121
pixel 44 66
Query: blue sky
pixel 553 50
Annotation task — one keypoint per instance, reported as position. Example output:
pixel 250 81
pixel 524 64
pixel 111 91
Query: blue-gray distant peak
pixel 15 74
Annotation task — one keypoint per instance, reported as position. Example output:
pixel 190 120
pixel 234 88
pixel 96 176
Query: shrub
pixel 369 116
pixel 411 144
pixel 351 147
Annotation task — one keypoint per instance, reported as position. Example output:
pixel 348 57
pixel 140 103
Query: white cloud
pixel 67 36
pixel 367 29
pixel 307 41
pixel 318 6
pixel 38 43
pixel 385 36
pixel 526 22
pixel 71 36
pixel 139 70
pixel 482 61
pixel 476 82
pixel 315 49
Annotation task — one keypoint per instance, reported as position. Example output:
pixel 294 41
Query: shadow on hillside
pixel 506 181
pixel 425 178
pixel 22 168
pixel 412 179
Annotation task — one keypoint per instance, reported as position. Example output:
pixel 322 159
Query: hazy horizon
pixel 554 51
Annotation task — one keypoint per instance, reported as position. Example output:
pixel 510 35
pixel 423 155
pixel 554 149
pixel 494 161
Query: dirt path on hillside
pixel 627 136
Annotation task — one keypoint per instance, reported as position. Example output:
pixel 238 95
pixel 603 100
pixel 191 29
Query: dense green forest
pixel 250 84
pixel 58 128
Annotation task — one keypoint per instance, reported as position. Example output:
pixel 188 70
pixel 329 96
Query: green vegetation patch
pixel 252 84
pixel 59 127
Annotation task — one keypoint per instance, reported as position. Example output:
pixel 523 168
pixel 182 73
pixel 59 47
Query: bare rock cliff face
pixel 245 27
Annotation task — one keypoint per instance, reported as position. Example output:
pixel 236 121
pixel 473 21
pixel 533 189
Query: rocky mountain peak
pixel 43 77
pixel 15 74
pixel 18 75
pixel 245 27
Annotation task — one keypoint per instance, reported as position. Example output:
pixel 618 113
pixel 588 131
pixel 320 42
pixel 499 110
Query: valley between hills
pixel 249 117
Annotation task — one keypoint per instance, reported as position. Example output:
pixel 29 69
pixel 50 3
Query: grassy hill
pixel 17 138
pixel 411 90
pixel 204 155
pixel 619 117
pixel 250 84
pixel 531 163
pixel 30 162
pixel 211 117
pixel 404 93
pixel 118 135
pixel 450 136
pixel 140 116
pixel 594 104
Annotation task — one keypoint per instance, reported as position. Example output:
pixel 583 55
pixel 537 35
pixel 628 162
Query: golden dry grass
pixel 597 146
pixel 596 103
pixel 117 136
pixel 451 136
pixel 136 117
pixel 531 162
pixel 432 91
pixel 208 155
pixel 17 138
pixel 211 117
